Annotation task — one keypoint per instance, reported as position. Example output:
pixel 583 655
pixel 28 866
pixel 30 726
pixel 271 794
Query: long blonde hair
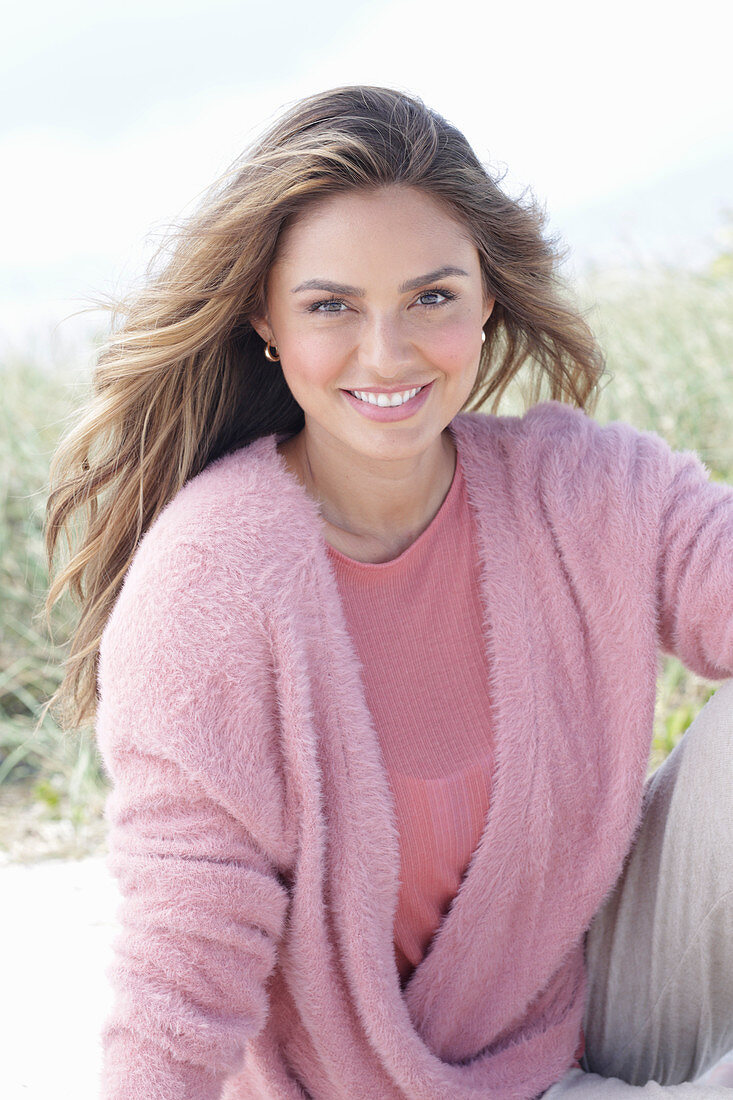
pixel 182 378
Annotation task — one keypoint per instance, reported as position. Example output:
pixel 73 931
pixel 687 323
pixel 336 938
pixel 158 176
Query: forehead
pixel 392 219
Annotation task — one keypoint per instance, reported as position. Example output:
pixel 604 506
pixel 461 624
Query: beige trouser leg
pixel 659 1007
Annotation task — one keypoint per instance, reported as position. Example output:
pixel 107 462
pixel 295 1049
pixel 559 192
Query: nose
pixel 384 353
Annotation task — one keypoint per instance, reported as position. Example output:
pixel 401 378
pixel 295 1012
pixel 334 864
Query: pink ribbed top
pixel 416 625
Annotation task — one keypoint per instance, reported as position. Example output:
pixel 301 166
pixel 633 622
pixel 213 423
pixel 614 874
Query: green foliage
pixel 668 336
pixel 680 697
pixel 56 775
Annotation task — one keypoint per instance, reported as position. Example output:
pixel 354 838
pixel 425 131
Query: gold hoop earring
pixel 269 354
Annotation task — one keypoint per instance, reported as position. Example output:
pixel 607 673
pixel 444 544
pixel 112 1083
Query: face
pixel 382 292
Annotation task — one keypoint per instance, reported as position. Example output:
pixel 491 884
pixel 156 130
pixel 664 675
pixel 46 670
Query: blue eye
pixel 326 302
pixel 446 295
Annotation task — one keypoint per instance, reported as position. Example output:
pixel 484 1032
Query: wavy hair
pixel 181 378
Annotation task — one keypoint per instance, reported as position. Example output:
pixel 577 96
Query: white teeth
pixel 389 399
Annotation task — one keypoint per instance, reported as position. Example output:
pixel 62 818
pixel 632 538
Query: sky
pixel 117 118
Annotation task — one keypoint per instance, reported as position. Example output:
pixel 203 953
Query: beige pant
pixel 659 1008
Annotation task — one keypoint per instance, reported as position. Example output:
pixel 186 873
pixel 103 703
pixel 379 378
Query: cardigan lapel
pixel 456 1001
pixel 458 995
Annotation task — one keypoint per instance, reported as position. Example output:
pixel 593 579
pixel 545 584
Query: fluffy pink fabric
pixel 252 828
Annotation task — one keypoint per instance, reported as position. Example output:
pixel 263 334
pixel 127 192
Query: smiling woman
pixel 373 671
pixel 397 351
pixel 184 377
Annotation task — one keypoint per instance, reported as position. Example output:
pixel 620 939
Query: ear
pixel 262 328
pixel 488 309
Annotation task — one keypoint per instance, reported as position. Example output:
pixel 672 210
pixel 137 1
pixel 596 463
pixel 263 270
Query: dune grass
pixel 667 336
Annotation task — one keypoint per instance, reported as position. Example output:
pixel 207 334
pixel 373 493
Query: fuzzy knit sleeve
pixel 695 566
pixel 649 503
pixel 195 826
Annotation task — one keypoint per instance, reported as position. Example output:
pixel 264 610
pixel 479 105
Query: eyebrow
pixel 359 292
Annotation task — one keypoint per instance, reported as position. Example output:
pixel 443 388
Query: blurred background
pixel 117 118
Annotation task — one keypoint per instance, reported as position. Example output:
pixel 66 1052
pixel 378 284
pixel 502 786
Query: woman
pixel 376 671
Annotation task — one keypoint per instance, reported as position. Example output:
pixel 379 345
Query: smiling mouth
pixel 386 399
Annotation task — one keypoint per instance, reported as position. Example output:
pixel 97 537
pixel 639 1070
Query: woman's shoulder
pixel 234 532
pixel 561 451
pixel 553 424
pixel 238 487
pixel 243 505
pixel 557 425
pixel 550 424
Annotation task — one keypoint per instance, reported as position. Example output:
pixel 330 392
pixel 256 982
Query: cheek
pixel 454 346
pixel 311 367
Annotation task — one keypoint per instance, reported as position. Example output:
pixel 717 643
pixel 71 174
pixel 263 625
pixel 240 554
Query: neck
pixel 379 506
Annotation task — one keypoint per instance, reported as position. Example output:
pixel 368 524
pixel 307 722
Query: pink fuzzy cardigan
pixel 252 829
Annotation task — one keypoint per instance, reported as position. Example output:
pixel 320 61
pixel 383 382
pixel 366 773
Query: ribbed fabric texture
pixel 416 625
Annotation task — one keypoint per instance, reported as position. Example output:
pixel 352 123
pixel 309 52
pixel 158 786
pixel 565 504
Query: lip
pixel 384 412
pixel 389 389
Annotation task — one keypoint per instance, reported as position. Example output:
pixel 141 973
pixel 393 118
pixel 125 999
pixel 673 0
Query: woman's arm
pixel 695 568
pixel 193 824
pixel 627 494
